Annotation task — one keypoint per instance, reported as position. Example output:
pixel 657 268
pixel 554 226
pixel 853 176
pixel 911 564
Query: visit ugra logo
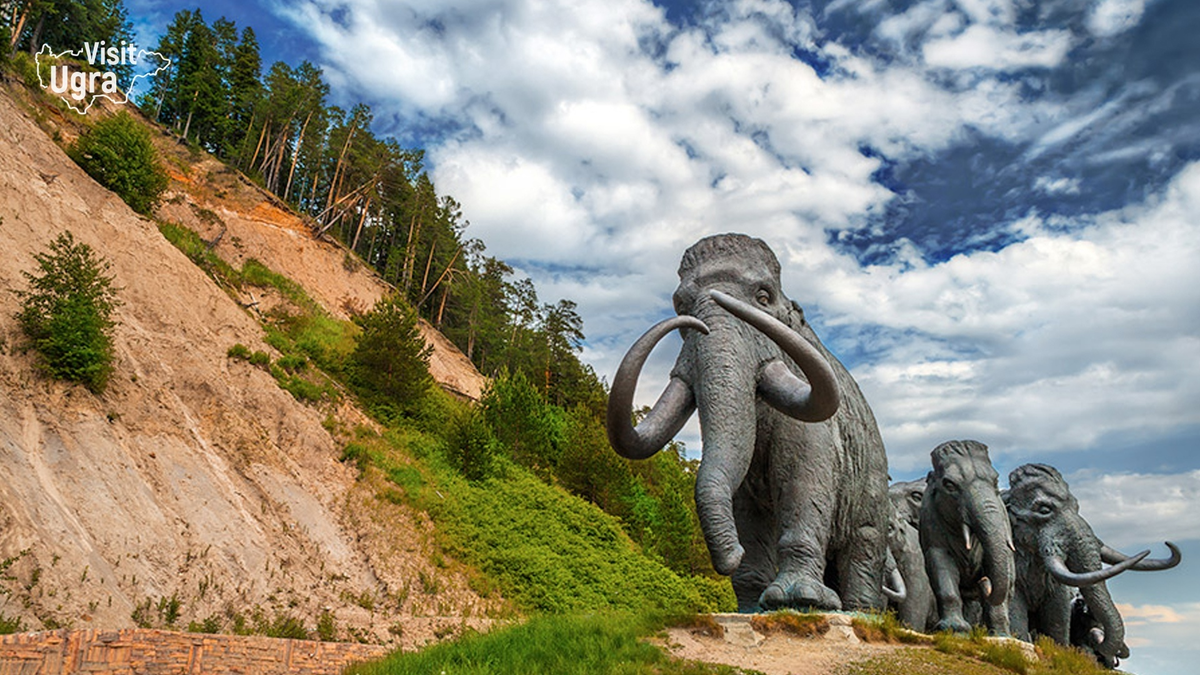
pixel 78 88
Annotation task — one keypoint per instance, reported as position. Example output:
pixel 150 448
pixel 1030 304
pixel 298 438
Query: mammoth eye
pixel 950 485
pixel 1044 509
pixel 916 496
pixel 763 297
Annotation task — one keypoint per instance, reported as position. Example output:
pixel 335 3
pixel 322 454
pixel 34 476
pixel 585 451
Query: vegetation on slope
pixel 67 313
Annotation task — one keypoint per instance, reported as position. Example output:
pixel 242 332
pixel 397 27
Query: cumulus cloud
pixel 1047 344
pixel 1130 509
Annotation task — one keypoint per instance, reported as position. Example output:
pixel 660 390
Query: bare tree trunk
pixel 18 28
pixel 428 264
pixel 296 156
pixel 37 34
pixel 358 232
pixel 262 134
pixel 337 169
pixel 191 109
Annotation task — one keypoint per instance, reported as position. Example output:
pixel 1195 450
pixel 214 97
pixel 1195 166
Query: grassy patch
pixel 591 644
pixel 886 628
pixel 792 623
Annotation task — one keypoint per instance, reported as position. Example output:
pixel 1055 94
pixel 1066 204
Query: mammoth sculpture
pixel 792 482
pixel 917 607
pixel 966 538
pixel 1057 552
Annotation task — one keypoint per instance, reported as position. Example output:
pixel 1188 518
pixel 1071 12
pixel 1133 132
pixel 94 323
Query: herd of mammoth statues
pixel 792 489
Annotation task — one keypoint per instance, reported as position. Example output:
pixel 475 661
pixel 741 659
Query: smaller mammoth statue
pixel 791 486
pixel 1057 552
pixel 916 606
pixel 966 538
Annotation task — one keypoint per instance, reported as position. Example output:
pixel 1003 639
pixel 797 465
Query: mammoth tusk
pixel 985 587
pixel 1058 569
pixel 967 535
pixel 813 401
pixel 897 592
pixel 669 413
pixel 1113 556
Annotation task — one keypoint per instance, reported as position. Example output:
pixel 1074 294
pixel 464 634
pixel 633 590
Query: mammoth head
pixel 740 332
pixel 740 266
pixel 906 499
pixel 1046 520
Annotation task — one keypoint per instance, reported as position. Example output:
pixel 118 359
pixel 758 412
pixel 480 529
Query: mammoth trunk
pixel 988 523
pixel 725 391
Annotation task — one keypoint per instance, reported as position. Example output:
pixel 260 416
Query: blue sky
pixel 987 206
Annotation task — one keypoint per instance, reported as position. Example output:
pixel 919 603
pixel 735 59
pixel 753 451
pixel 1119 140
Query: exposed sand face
pixel 193 475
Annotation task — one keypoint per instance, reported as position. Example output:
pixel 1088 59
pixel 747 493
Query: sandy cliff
pixel 193 475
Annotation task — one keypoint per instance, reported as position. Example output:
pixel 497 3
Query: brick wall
pixel 158 652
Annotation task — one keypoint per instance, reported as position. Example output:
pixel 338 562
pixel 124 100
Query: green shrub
pixel 523 422
pixel 67 313
pixel 390 363
pixel 238 351
pixel 471 447
pixel 118 153
pixel 210 625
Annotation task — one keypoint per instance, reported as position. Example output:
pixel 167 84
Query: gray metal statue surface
pixel 1057 552
pixel 966 538
pixel 793 472
pixel 917 607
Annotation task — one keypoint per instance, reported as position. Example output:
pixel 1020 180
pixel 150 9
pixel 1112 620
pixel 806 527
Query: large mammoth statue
pixel 793 474
pixel 917 606
pixel 1057 552
pixel 966 538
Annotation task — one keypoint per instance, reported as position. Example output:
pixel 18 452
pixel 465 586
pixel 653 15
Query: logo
pixel 80 88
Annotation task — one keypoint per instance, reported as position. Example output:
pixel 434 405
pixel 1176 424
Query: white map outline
pixel 47 51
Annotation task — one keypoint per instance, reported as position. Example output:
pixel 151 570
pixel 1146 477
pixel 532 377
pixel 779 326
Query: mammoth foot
pixel 953 624
pixel 797 592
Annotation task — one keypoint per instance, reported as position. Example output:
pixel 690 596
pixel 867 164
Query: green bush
pixel 67 313
pixel 390 364
pixel 522 421
pixel 118 153
pixel 471 447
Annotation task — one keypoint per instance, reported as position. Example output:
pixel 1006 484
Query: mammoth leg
pixel 944 577
pixel 802 471
pixel 1019 616
pixel 756 527
pixel 862 560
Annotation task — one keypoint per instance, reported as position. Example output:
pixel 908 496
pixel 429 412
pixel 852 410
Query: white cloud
pixel 992 48
pixel 1111 17
pixel 1047 344
pixel 1132 509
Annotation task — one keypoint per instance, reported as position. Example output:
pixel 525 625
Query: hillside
pixel 194 480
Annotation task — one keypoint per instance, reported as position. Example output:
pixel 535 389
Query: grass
pixel 792 623
pixel 587 644
pixel 886 628
pixel 546 550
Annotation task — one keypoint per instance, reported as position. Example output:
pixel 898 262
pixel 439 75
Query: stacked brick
pixel 158 652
